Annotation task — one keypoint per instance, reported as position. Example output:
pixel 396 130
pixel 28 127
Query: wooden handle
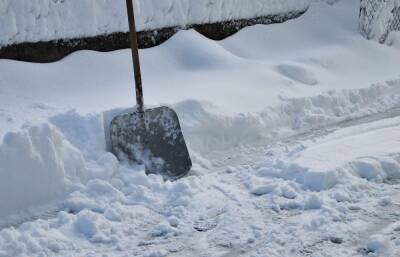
pixel 135 55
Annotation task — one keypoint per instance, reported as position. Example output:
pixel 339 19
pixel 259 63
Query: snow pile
pixel 286 171
pixel 297 189
pixel 333 163
pixel 207 131
pixel 49 153
pixel 42 20
pixel 37 166
pixel 40 165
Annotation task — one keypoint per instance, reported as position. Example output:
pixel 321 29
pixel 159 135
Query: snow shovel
pixel 151 137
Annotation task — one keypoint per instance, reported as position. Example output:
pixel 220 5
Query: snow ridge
pixel 294 115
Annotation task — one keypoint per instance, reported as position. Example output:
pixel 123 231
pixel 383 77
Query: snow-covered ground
pixel 43 20
pixel 293 129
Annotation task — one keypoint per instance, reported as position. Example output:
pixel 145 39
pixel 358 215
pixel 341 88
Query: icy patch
pixel 206 131
pixel 43 153
pixel 334 165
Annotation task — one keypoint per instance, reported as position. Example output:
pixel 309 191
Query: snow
pixel 321 158
pixel 37 165
pixel 293 131
pixel 43 20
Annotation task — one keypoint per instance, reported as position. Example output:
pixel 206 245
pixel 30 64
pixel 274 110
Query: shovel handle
pixel 135 55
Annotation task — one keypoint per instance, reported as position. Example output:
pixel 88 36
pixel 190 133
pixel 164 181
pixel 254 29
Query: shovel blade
pixel 153 138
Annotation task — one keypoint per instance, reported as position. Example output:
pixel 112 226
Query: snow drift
pixel 294 82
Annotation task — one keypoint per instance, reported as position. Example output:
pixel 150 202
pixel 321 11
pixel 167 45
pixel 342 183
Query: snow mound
pixel 94 196
pixel 369 153
pixel 192 51
pixel 93 227
pixel 206 131
pixel 73 149
pixel 310 179
pixel 37 166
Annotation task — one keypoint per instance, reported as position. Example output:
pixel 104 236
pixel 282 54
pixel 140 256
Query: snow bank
pixel 42 20
pixel 310 177
pixel 370 153
pixel 122 214
pixel 60 163
pixel 207 131
pixel 48 155
pixel 37 166
pixel 40 164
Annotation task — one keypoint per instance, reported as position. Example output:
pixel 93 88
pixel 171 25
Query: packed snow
pixel 43 20
pixel 293 131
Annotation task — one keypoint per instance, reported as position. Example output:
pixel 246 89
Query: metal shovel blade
pixel 153 138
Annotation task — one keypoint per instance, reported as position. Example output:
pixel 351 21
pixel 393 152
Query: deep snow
pixel 276 172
